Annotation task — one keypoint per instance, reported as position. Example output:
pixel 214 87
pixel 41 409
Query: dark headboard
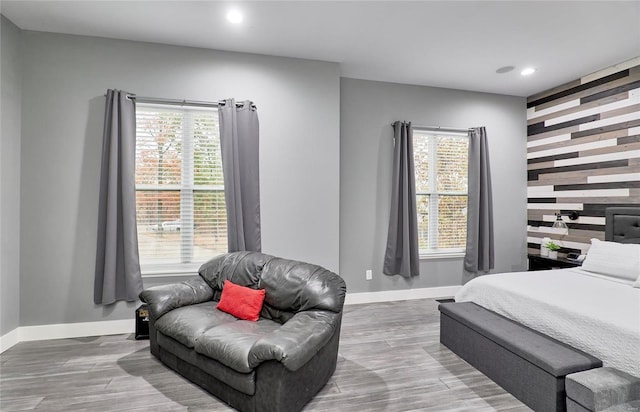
pixel 622 224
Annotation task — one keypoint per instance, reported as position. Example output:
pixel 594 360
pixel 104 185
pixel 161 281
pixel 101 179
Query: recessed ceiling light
pixel 505 69
pixel 527 71
pixel 234 16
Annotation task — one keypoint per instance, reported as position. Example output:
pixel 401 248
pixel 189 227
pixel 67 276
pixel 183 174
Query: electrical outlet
pixel 368 274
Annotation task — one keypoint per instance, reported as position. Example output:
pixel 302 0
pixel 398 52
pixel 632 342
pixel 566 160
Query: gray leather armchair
pixel 275 364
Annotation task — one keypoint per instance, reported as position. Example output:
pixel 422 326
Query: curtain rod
pixel 441 128
pixel 177 102
pixel 143 99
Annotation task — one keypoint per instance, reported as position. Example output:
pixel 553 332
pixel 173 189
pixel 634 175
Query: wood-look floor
pixel 390 360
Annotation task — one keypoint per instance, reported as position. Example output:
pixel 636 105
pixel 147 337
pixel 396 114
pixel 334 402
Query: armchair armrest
pixel 296 341
pixel 165 298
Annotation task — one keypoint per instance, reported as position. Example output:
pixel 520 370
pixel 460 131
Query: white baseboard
pixel 116 327
pixel 9 339
pixel 403 294
pixel 66 330
pixel 76 330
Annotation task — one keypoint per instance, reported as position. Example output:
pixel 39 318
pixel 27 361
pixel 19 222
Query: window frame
pixel 432 193
pixel 187 189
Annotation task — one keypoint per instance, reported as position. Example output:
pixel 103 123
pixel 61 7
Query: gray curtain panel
pixel 117 274
pixel 239 140
pixel 402 256
pixel 479 258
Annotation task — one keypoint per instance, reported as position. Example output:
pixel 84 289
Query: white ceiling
pixel 454 44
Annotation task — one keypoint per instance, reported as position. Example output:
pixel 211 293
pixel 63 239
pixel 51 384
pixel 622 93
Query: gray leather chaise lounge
pixel 275 364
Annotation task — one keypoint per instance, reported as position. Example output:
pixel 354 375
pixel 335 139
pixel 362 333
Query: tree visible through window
pixel 180 206
pixel 441 165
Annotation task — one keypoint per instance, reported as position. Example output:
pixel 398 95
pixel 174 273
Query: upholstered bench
pixel 529 365
pixel 602 389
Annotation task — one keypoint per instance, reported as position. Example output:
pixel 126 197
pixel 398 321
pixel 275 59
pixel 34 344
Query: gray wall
pixel 367 109
pixel 325 161
pixel 65 78
pixel 10 84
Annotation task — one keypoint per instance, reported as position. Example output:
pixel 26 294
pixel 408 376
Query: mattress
pixel 595 314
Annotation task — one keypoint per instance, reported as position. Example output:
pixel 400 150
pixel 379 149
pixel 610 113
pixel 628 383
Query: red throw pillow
pixel 242 302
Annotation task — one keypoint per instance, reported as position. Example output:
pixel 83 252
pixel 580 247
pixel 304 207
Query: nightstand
pixel 537 262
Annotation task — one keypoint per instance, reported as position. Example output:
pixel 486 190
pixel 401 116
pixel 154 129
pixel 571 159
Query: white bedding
pixel 588 312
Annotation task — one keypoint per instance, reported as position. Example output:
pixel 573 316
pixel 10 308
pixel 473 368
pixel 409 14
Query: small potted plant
pixel 553 249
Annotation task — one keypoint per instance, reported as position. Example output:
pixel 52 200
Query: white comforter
pixel 586 311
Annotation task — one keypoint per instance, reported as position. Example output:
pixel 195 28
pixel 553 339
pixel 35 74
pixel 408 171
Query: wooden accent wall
pixel 583 154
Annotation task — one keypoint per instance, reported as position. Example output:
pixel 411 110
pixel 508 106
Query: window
pixel 180 207
pixel 441 164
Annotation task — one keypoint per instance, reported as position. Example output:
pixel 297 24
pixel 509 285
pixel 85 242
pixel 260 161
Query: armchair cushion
pixel 162 299
pixel 188 323
pixel 241 268
pixel 290 286
pixel 297 286
pixel 297 341
pixel 231 343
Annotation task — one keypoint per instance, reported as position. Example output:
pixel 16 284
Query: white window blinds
pixel 180 206
pixel 441 165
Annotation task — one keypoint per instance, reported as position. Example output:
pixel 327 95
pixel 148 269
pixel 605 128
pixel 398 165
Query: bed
pixel 595 313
